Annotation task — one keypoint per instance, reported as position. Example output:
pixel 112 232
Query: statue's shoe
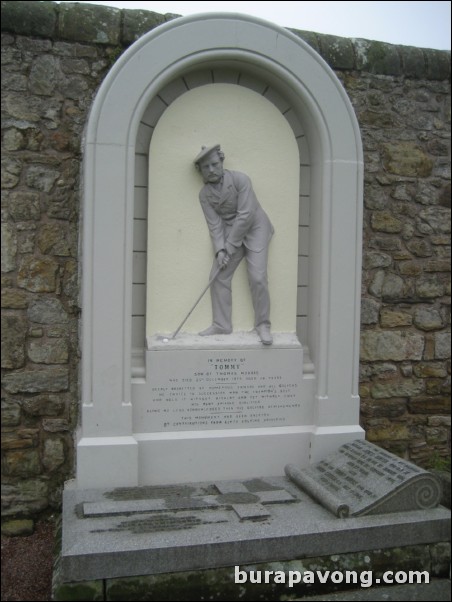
pixel 263 330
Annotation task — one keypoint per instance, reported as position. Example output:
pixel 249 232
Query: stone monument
pixel 183 439
pixel 221 406
pixel 363 479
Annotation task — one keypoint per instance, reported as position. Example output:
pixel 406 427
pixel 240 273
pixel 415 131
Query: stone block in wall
pixel 13 138
pixel 430 370
pixel 382 429
pixel 75 65
pixel 437 265
pixel 37 381
pixel 428 318
pixel 24 206
pixel 47 310
pixel 410 268
pixel 10 413
pixel 420 247
pixel 14 528
pixel 41 177
pixel 90 23
pixel 406 159
pixel 22 463
pixel 376 259
pixel 22 438
pixel 437 218
pixel 44 75
pixel 383 408
pixel 413 61
pixel 378 119
pixel 9 248
pixel 377 57
pixel 390 318
pixel 369 311
pixel 391 287
pixel 30 18
pixel 25 497
pixel 37 275
pixel 386 221
pixel 44 405
pixel 436 435
pixel 26 240
pixel 429 287
pixel 438 64
pixel 56 239
pixel 51 352
pixel 391 345
pixel 442 345
pixel 53 453
pixel 56 425
pixel 383 370
pixel 429 404
pixel 14 330
pixel 385 243
pixel 400 388
pixel 337 51
pixel 71 282
pixel 394 288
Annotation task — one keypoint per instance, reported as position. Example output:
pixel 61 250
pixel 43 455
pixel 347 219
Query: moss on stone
pixel 138 22
pixel 86 590
pixel 90 23
pixel 384 59
pixel 18 527
pixel 30 18
pixel 338 52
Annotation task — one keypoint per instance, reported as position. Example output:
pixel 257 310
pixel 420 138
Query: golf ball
pixel 165 340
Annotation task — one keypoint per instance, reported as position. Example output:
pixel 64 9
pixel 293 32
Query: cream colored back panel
pixel 257 140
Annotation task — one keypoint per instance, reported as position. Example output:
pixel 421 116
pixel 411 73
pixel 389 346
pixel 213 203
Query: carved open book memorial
pixel 361 478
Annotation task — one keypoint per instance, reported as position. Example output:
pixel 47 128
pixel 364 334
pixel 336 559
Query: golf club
pixel 217 271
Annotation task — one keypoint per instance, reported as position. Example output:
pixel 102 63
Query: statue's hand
pixel 223 259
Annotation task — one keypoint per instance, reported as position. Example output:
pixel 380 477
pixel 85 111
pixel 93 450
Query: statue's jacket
pixel 234 215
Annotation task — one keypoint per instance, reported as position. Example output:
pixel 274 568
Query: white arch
pixel 328 119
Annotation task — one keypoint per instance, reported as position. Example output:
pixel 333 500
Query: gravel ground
pixel 27 564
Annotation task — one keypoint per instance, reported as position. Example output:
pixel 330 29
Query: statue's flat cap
pixel 206 150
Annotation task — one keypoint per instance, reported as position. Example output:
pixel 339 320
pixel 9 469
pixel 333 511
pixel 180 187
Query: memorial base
pixel 222 407
pixel 184 541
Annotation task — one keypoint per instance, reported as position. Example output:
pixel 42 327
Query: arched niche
pixel 258 140
pixel 158 68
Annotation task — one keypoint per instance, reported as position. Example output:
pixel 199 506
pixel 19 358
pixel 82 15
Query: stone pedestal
pixel 221 407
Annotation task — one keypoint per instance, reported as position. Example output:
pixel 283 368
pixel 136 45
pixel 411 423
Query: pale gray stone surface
pixel 184 539
pixel 395 345
pixel 363 479
pixel 47 311
pixel 235 340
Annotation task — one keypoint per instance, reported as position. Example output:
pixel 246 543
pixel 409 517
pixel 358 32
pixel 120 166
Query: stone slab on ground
pixel 206 525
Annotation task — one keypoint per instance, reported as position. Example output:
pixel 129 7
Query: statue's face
pixel 211 168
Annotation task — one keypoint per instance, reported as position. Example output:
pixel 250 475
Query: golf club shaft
pixel 217 271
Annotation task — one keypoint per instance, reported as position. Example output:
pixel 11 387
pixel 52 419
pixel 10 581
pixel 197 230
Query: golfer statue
pixel 239 228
